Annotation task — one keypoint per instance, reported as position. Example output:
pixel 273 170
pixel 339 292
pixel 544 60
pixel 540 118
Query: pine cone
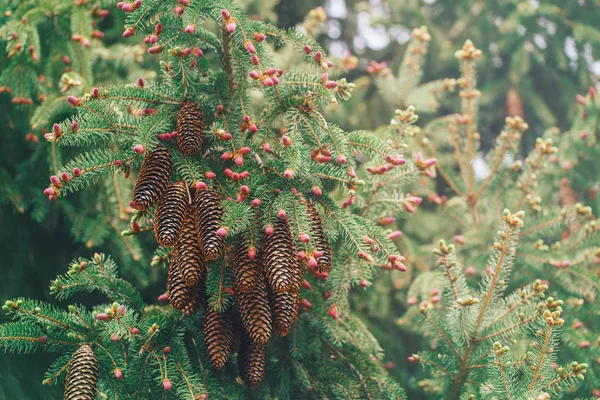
pixel 153 178
pixel 285 311
pixel 190 127
pixel 169 214
pixel 188 251
pixel 218 337
pixel 319 239
pixel 255 311
pixel 246 271
pixel 181 296
pixel 279 258
pixel 209 215
pixel 251 362
pixel 82 375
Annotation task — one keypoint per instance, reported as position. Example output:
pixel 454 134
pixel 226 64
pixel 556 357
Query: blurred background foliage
pixel 537 56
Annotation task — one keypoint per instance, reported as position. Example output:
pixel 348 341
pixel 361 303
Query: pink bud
pixel 128 33
pixel 167 384
pixel 50 191
pixel 102 316
pixel 139 149
pixel 584 344
pixel 259 37
pixel 351 173
pixel 331 84
pixel 387 221
pixel 118 373
pixel 363 283
pixel 306 284
pixel 412 301
pixel 190 29
pixel 305 303
pixel 178 10
pixel 127 8
pixel 135 331
pixel 412 359
pixel 200 185
pixel 198 52
pixel 225 14
pixel 254 74
pixel 362 255
pixel 470 271
pixel 288 173
pixel 54 180
pixel 317 191
pixel 43 339
pixel 409 208
pixel 64 177
pixel 268 82
pixel 304 238
pixel 210 175
pixel 226 156
pixel 95 92
pixel 333 312
pixel 73 100
pixel 266 146
pixel 253 128
pixel 281 214
pixel 239 161
pixel 580 99
pixel 222 232
pixel 256 202
pixel 395 235
pixel 341 159
pixel 250 47
pixel 286 140
pixel 163 297
pixel 301 255
pixel 307 49
pixel 115 338
pixel 269 230
pixel 74 126
pixel 154 50
pixel 252 252
pixel 166 350
pixel 231 27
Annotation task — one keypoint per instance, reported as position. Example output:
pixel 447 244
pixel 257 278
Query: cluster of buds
pixel 392 161
pixel 328 83
pixel 317 57
pixel 535 202
pixel 33 54
pixel 243 194
pixel 222 134
pixel 247 124
pixel 517 123
pixel 237 156
pixel 234 176
pixel 67 82
pixel 415 358
pixel 57 183
pixel 129 6
pixel 85 42
pixel 411 202
pixel 584 211
pixel 10 305
pixel 539 288
pixel 22 100
pixel 114 311
pixel 444 249
pixel 467 301
pixel 514 220
pixel 228 21
pixel 167 136
pixel 425 166
pixel 500 350
pixel 268 78
pixel 553 318
pixel 468 51
pixel 379 68
pixel 344 90
pixel 320 155
pixel 153 38
pixel 421 34
pixel 560 264
pixel 314 20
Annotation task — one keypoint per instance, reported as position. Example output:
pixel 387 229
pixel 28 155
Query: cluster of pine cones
pixel 267 284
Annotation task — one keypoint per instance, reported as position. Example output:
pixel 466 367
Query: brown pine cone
pixel 318 238
pixel 251 362
pixel 218 337
pixel 82 375
pixel 284 307
pixel 246 271
pixel 190 127
pixel 255 311
pixel 181 296
pixel 209 216
pixel 188 252
pixel 169 214
pixel 153 178
pixel 279 258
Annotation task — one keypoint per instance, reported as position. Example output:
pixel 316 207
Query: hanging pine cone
pixel 169 214
pixel 181 296
pixel 190 127
pixel 82 375
pixel 251 362
pixel 319 239
pixel 188 252
pixel 153 178
pixel 279 258
pixel 218 337
pixel 209 216
pixel 255 311
pixel 284 307
pixel 246 271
